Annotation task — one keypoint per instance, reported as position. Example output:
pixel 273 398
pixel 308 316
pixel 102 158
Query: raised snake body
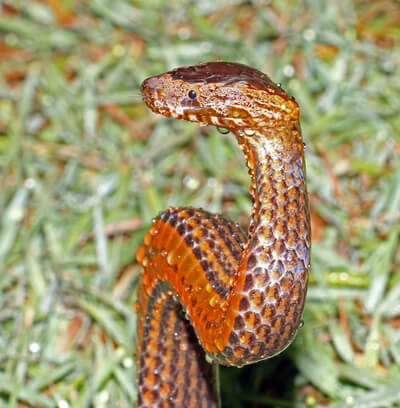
pixel 243 297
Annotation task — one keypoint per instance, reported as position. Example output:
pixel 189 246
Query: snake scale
pixel 207 289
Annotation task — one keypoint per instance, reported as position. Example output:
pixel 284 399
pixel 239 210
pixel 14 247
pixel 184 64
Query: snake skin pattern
pixel 204 282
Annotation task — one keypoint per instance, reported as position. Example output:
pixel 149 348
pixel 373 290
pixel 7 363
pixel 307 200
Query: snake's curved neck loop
pixel 275 159
pixel 273 269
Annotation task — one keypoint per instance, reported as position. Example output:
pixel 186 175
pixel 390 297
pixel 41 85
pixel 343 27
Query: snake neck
pixel 279 238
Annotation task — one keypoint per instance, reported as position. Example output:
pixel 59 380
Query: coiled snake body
pixel 243 297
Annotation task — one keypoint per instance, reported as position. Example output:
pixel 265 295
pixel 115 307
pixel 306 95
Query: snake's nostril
pixel 151 83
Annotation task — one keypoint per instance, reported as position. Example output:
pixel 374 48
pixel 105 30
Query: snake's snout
pixel 150 84
pixel 149 90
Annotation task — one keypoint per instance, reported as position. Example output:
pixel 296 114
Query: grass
pixel 85 166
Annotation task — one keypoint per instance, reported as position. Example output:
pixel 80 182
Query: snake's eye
pixel 192 94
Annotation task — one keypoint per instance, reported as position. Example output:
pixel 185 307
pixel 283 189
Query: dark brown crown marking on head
pixel 226 73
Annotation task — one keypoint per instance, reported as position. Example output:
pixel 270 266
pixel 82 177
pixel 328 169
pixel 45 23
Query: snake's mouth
pixel 204 116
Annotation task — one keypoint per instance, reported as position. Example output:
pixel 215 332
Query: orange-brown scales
pixel 243 297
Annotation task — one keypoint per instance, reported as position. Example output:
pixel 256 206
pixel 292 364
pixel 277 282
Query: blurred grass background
pixel 85 166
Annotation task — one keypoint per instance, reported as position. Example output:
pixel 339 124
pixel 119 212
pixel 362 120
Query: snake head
pixel 224 94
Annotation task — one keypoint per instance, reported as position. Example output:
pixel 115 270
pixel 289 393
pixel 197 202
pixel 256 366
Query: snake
pixel 207 291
